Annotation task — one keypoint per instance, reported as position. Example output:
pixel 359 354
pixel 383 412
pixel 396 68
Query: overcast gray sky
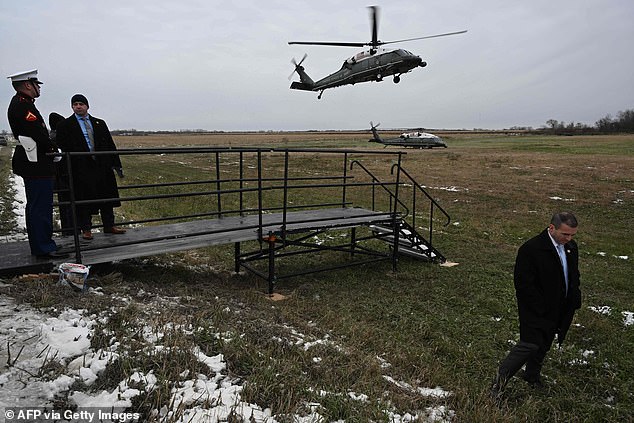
pixel 206 64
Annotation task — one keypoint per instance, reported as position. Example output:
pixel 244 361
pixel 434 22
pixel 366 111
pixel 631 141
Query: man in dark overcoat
pixel 546 279
pixel 92 175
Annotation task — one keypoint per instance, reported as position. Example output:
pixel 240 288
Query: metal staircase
pixel 410 242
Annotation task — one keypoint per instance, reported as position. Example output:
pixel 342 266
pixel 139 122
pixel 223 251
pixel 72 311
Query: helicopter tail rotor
pixel 375 134
pixel 305 82
pixel 297 66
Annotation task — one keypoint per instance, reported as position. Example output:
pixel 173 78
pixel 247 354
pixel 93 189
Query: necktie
pixel 564 263
pixel 91 136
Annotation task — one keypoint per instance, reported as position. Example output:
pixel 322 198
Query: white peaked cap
pixel 30 75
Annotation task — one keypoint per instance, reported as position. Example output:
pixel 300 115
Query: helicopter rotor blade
pixel 328 43
pixel 374 12
pixel 423 38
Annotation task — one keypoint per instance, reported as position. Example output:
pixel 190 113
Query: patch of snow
pixel 606 310
pixel 562 199
pixel 426 392
pixel 35 339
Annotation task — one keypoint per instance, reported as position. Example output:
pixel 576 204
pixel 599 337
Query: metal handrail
pixel 433 202
pixel 264 184
pixel 376 181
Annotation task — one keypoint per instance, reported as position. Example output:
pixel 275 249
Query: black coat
pixel 93 177
pixel 25 119
pixel 544 309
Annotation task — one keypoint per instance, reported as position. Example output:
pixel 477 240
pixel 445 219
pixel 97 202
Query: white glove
pixel 30 147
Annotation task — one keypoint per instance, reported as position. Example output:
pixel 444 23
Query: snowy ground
pixel 34 340
pixel 17 183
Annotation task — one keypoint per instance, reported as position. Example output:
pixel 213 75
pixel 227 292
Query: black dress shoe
pixel 535 382
pixel 53 255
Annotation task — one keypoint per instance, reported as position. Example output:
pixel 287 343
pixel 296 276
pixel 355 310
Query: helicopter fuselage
pixel 365 66
pixel 370 65
pixel 408 139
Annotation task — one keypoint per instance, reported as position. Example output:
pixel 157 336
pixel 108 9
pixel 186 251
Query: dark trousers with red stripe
pixel 39 215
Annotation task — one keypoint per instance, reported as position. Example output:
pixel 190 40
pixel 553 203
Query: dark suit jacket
pixel 25 119
pixel 93 178
pixel 544 308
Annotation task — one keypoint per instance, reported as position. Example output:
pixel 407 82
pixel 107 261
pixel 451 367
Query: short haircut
pixel 17 85
pixel 566 218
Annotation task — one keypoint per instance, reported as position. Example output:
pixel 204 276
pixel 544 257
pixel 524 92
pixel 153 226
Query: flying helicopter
pixel 409 139
pixel 372 64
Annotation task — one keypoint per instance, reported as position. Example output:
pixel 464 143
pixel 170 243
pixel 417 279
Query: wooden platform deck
pixel 146 241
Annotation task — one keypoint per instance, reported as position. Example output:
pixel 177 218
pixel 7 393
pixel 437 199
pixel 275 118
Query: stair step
pixel 406 246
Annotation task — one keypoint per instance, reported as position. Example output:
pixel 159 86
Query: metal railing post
pixel 218 195
pixel 345 179
pixel 241 183
pixel 285 200
pixel 260 197
pixel 395 221
pixel 73 208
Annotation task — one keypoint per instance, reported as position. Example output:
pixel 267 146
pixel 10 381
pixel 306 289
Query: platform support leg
pixel 236 252
pixel 395 244
pixel 271 243
pixel 353 241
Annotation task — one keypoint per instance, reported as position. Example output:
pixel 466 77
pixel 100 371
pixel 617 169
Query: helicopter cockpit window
pixel 347 64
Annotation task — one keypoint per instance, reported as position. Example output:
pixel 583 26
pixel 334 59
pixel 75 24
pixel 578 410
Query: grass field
pixel 350 334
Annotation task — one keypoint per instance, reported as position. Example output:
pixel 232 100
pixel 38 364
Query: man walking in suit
pixel 546 281
pixel 93 176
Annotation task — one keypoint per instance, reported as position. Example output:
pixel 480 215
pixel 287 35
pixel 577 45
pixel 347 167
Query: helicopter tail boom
pixel 301 86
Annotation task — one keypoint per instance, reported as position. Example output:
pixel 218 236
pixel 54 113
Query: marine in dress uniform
pixel 37 169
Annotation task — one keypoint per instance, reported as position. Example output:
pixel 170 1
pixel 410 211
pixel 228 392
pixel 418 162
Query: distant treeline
pixel 623 123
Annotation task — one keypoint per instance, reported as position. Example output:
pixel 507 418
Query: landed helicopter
pixel 409 139
pixel 372 64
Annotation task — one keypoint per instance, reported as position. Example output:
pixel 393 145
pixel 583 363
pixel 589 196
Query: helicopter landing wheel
pixel 397 79
pixel 379 77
